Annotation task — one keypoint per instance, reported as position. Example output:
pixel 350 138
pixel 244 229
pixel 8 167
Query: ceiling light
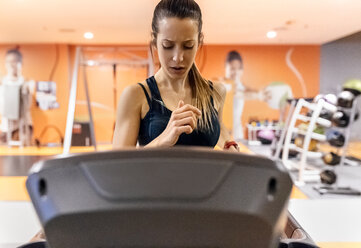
pixel 271 34
pixel 88 35
pixel 90 63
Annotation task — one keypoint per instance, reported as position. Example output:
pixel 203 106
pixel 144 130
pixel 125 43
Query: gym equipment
pixel 328 177
pixel 353 85
pixel 275 147
pixel 304 126
pixel 317 97
pixel 344 119
pixel 175 197
pixel 38 142
pixel 313 128
pixel 291 154
pixel 326 114
pixel 337 191
pixel 340 118
pixel 330 98
pixel 345 99
pixel 266 136
pixel 331 158
pixel 132 60
pixel 357 115
pixel 37 244
pixel 262 132
pixel 352 161
pixel 310 131
pixel 313 146
pixel 335 138
pixel 334 159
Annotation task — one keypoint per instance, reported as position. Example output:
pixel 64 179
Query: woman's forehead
pixel 236 63
pixel 174 29
pixel 11 57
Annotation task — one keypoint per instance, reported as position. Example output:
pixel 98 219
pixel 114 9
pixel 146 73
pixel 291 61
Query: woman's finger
pixel 182 115
pixel 186 121
pixel 188 107
pixel 184 129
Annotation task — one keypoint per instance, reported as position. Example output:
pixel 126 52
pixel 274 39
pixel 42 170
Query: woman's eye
pixel 167 47
pixel 188 47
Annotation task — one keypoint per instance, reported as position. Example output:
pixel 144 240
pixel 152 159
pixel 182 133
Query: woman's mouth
pixel 177 69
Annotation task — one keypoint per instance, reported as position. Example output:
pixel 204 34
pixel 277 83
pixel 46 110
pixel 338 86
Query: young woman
pixel 176 106
pixel 14 77
pixel 234 82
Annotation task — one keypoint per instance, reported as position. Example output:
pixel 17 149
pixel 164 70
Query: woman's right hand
pixel 183 120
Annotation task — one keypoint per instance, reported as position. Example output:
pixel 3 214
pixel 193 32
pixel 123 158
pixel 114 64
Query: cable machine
pixel 81 62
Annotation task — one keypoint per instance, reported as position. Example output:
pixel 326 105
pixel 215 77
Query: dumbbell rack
pixel 347 130
pixel 336 189
pixel 306 172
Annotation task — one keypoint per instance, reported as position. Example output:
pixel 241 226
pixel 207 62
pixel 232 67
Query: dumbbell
pixel 345 99
pixel 335 137
pixel 330 98
pixel 328 177
pixel 324 113
pixel 340 118
pixel 266 136
pixel 311 147
pixel 331 158
pixel 353 85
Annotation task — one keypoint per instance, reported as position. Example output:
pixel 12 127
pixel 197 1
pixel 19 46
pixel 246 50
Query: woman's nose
pixel 178 55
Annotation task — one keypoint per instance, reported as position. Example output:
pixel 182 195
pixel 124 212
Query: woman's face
pixel 234 70
pixel 177 45
pixel 12 64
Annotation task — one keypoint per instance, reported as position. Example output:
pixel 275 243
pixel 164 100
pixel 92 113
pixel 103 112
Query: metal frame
pixel 80 60
pixel 72 103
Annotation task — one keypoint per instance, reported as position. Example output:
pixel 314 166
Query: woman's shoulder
pixel 219 87
pixel 135 91
pixel 133 99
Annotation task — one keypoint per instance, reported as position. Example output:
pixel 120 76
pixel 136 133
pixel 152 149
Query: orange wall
pixel 101 82
pixel 38 61
pixel 262 65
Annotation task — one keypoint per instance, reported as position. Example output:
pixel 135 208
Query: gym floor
pixel 330 222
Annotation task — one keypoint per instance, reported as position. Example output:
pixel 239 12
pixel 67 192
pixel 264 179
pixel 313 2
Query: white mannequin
pixel 13 65
pixel 234 73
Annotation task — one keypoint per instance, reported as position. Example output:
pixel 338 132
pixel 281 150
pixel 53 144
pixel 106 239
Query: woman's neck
pixel 177 85
pixel 13 77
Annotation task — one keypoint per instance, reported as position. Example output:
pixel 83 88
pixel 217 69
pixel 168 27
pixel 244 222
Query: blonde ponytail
pixel 202 92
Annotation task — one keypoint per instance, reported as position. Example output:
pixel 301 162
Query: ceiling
pixel 225 22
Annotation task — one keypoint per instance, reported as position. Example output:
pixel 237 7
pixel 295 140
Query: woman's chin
pixel 177 74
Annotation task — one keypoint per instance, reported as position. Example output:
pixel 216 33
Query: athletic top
pixel 157 118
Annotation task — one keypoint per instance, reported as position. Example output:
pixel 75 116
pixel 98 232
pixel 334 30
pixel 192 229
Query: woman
pixel 177 106
pixel 14 80
pixel 233 82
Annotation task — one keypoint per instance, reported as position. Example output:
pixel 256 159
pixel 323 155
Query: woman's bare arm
pixel 128 117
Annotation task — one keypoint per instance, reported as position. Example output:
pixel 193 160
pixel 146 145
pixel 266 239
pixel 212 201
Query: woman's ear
pixel 201 38
pixel 153 43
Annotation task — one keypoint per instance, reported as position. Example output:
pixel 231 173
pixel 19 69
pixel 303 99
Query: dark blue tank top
pixel 157 118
